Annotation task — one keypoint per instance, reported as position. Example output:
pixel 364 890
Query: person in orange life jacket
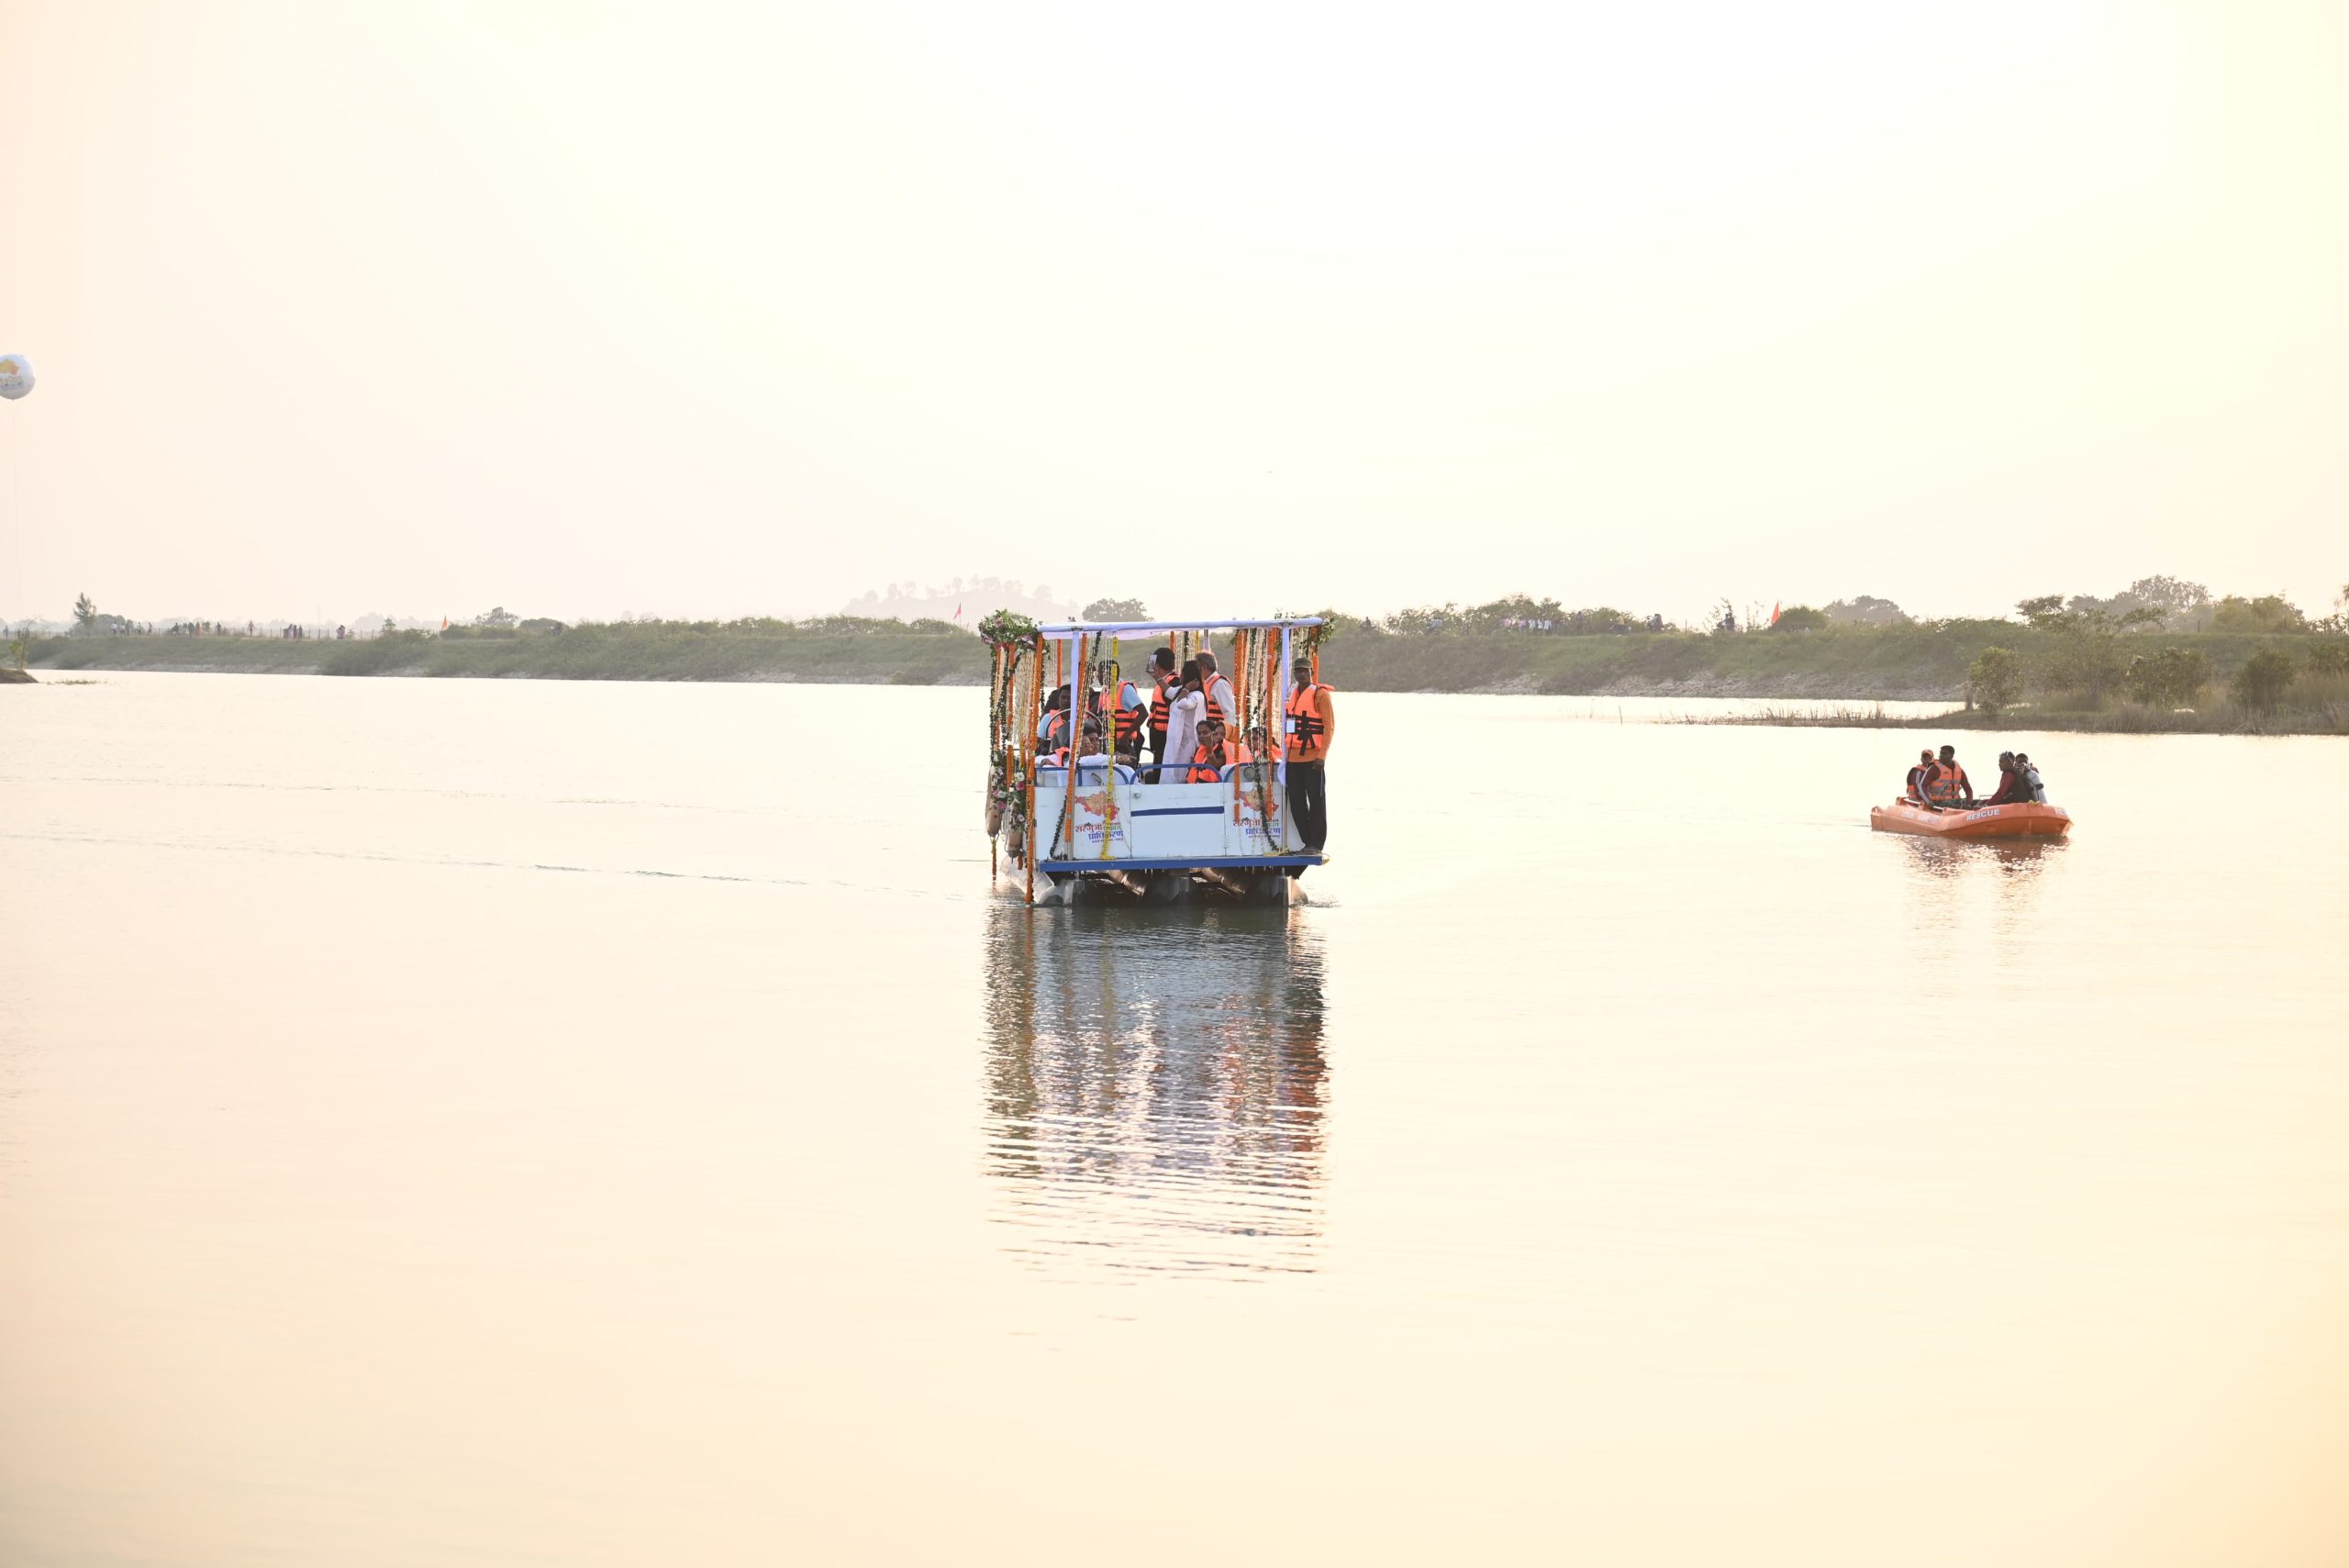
pixel 1051 726
pixel 1222 704
pixel 1185 707
pixel 1122 716
pixel 1915 788
pixel 1947 780
pixel 1313 724
pixel 1213 755
pixel 1256 745
pixel 1164 682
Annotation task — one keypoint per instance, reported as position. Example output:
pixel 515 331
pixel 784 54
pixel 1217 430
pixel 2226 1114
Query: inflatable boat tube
pixel 2022 821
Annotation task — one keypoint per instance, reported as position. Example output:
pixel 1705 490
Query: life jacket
pixel 1158 700
pixel 1305 727
pixel 1207 769
pixel 1215 709
pixel 1941 784
pixel 1915 789
pixel 1056 729
pixel 1124 723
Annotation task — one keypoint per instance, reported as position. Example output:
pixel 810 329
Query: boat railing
pixel 1126 776
pixel 1125 773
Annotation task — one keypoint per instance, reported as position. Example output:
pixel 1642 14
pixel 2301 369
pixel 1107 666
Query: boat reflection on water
pixel 1941 871
pixel 1953 857
pixel 1155 1086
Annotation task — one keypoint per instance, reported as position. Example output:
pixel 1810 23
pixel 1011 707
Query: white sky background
pixel 717 310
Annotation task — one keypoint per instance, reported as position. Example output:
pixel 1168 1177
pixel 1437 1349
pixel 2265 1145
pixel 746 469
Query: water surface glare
pixel 494 1123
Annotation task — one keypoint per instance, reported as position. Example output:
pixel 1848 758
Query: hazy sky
pixel 715 309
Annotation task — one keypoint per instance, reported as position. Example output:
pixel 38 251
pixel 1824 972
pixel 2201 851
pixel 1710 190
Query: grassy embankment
pixel 2314 704
pixel 1894 662
pixel 626 651
pixel 1905 662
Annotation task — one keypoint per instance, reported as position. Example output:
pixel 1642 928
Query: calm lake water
pixel 511 1123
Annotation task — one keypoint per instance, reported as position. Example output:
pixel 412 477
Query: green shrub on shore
pixel 2168 679
pixel 1994 680
pixel 2261 683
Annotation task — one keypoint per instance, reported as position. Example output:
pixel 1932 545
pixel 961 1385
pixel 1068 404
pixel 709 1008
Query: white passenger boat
pixel 1115 832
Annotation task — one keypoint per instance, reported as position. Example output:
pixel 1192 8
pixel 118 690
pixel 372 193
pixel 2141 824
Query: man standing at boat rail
pixel 1222 704
pixel 1313 724
pixel 1165 686
pixel 1122 716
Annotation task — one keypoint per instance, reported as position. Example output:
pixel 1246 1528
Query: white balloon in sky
pixel 15 375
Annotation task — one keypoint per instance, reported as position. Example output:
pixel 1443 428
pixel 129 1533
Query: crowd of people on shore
pixel 1187 724
pixel 1939 783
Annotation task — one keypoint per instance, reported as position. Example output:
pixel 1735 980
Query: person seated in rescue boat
pixel 1214 753
pixel 1255 746
pixel 2011 790
pixel 1915 788
pixel 2027 777
pixel 1946 781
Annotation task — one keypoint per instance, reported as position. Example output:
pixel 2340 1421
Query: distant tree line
pixel 2087 649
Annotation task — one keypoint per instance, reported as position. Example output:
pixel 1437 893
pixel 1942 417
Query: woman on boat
pixel 1052 725
pixel 1183 712
pixel 1214 754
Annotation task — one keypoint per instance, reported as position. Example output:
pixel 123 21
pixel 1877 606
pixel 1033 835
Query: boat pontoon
pixel 2017 821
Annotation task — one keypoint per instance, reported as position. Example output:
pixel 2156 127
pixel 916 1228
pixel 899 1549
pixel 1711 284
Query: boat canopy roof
pixel 1072 628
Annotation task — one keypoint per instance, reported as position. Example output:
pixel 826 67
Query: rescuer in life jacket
pixel 1165 684
pixel 1313 724
pixel 1947 781
pixel 1213 754
pixel 1915 788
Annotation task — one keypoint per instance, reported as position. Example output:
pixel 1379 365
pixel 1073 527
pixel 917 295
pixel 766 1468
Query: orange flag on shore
pixel 1773 615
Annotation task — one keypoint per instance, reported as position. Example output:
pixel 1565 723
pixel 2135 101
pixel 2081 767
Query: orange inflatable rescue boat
pixel 2023 821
